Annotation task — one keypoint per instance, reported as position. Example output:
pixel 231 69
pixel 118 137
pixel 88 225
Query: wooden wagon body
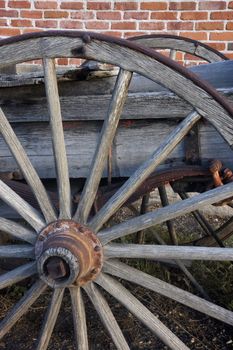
pixel 71 137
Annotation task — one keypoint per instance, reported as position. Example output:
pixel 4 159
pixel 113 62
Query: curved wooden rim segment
pixel 89 40
pixel 180 38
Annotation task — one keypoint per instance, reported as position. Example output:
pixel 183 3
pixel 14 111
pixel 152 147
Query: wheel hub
pixel 68 253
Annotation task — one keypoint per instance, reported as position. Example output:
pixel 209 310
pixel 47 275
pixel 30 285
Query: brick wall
pixel 209 21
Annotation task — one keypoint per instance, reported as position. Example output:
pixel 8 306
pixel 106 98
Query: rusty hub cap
pixel 68 253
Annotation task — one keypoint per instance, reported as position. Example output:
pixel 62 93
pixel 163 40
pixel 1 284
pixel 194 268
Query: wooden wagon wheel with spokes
pixel 70 249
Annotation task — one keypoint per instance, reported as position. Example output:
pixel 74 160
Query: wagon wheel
pixel 181 44
pixel 71 251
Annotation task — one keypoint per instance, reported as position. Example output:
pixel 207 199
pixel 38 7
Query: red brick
pixel 222 36
pixel 98 5
pixel 56 14
pixel 140 15
pixel 46 4
pixel 230 5
pixel 2 4
pixel 229 55
pixel 30 14
pixel 217 46
pixel 8 13
pixel 132 34
pixel 112 33
pixel 212 5
pixel 3 23
pixel 9 31
pixel 62 61
pixel 71 24
pixel 154 6
pixel 21 23
pixel 195 36
pixel 229 26
pixel 124 25
pixel 113 15
pixel 31 30
pixel 181 6
pixel 75 61
pixel 222 15
pixel 194 15
pixel 180 25
pixel 124 6
pixel 46 24
pixel 19 4
pixel 73 5
pixel 209 26
pixel 82 15
pixel 97 25
pixel 151 26
pixel 169 15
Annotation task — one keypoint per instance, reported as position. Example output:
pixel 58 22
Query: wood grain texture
pixel 178 44
pixel 23 208
pixel 106 316
pixel 26 168
pixel 18 274
pixel 79 319
pixel 140 175
pixel 133 275
pixel 154 252
pixel 140 311
pixel 58 139
pixel 104 143
pixel 17 231
pixel 163 214
pixel 20 308
pixel 17 251
pixel 50 319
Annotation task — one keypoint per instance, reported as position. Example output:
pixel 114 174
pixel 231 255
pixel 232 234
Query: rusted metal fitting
pixel 227 175
pixel 214 168
pixel 68 253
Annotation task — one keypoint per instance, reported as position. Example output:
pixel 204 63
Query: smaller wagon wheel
pixel 75 251
pixel 186 45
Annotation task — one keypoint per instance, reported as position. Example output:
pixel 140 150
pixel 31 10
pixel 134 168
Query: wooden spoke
pixel 58 139
pixel 30 214
pixel 17 251
pixel 140 311
pixel 50 319
pixel 106 316
pixel 172 54
pixel 17 231
pixel 148 251
pixel 105 141
pixel 18 274
pixel 79 319
pixel 163 214
pixel 140 175
pixel 131 274
pixel 21 307
pixel 27 168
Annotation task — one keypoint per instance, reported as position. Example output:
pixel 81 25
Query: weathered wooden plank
pixel 140 311
pixel 104 143
pixel 163 214
pixel 22 307
pixel 133 275
pixel 140 175
pixel 59 148
pixel 50 319
pixel 81 141
pixel 106 316
pixel 79 318
pixel 154 252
